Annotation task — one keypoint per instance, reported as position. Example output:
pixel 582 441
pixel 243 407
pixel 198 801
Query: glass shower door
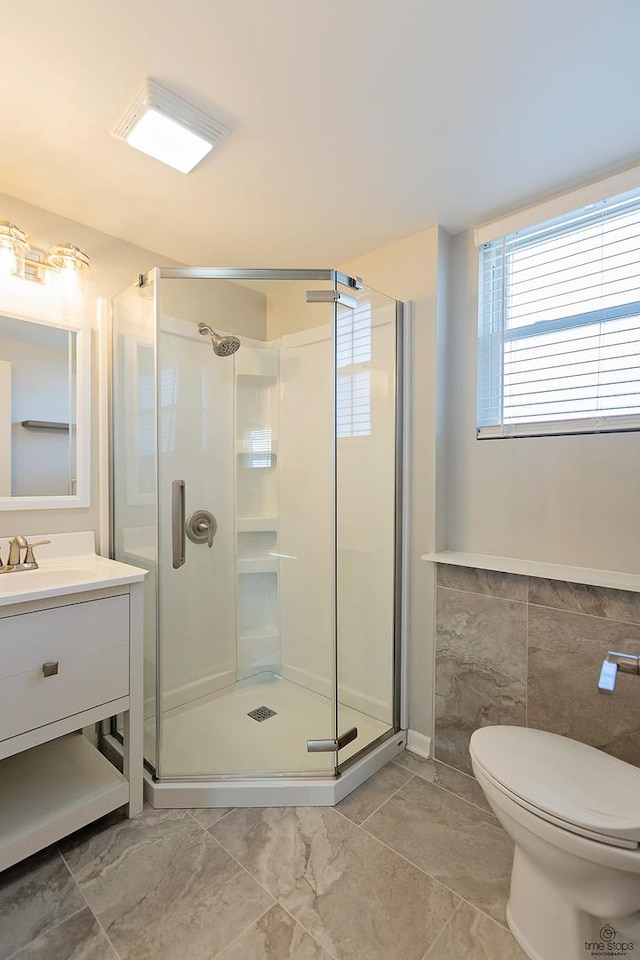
pixel 196 536
pixel 368 516
pixel 245 506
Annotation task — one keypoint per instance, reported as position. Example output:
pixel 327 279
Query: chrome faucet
pixel 15 563
pixel 15 546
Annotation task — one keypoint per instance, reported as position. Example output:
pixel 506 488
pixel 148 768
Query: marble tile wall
pixel 527 651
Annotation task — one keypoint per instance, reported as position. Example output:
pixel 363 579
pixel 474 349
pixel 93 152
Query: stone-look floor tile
pixel 619 605
pixel 366 799
pixel 480 669
pixel 450 840
pixel 566 651
pixel 357 898
pixel 448 778
pixel 35 895
pixel 470 935
pixel 162 888
pixel 78 938
pixel 275 936
pixel 493 583
pixel 206 816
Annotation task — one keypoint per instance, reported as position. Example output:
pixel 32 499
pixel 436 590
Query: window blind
pixel 559 325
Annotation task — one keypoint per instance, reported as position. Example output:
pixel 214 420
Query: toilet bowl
pixel 573 813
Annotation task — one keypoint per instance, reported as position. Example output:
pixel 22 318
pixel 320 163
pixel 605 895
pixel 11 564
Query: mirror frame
pixel 81 498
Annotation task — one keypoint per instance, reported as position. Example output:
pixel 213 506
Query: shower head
pixel 222 346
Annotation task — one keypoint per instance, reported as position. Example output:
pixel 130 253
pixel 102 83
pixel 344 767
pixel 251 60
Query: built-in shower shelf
pixel 256 524
pixel 257 379
pixel 257 364
pixel 267 634
pixel 247 447
pixel 256 460
pixel 269 565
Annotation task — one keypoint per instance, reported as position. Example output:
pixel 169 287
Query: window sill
pixel 534 568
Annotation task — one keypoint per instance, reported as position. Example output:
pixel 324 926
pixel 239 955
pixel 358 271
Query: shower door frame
pixel 394 739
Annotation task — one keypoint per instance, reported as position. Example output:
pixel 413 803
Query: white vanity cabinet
pixel 70 656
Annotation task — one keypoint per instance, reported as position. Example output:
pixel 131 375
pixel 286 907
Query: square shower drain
pixel 261 713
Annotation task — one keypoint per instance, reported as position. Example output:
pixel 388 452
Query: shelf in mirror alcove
pixel 45 425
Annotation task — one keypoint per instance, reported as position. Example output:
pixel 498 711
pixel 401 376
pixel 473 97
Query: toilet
pixel 573 813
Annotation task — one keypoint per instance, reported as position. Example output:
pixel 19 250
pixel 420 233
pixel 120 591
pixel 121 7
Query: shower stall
pixel 257 476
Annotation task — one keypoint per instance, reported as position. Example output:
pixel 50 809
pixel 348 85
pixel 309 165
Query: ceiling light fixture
pixel 19 259
pixel 167 128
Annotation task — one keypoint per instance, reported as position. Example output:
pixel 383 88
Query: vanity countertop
pixel 69 564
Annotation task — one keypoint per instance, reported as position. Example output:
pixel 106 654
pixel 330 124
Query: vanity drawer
pixel 90 644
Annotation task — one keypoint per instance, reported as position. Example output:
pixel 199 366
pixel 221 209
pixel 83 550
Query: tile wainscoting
pixel 527 651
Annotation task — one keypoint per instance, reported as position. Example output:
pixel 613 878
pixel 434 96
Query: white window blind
pixel 353 356
pixel 559 325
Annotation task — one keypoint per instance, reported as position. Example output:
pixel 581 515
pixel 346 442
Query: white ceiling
pixel 356 122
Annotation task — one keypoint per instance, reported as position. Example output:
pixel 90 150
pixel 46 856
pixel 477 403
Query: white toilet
pixel 574 815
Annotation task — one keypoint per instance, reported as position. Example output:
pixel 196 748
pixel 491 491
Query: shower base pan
pixel 262 721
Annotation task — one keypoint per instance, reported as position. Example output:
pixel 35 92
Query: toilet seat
pixel 570 784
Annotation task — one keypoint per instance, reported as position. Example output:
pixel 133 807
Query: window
pixel 353 356
pixel 559 325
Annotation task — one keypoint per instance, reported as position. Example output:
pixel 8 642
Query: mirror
pixel 44 406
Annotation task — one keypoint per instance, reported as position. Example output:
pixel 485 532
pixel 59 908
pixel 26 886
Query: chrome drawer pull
pixel 50 669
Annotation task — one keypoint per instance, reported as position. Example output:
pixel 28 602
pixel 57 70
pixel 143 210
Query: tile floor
pixel 412 866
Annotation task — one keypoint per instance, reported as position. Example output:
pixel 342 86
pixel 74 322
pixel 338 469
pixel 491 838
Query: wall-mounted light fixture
pixel 167 128
pixel 18 258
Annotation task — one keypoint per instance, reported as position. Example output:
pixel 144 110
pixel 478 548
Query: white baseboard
pixel 348 696
pixel 419 743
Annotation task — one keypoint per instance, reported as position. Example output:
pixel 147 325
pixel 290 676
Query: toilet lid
pixel 566 779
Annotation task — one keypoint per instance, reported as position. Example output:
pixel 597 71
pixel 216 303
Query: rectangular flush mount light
pixel 166 127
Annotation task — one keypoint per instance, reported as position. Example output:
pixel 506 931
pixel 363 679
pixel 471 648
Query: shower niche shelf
pixel 257 570
pixel 257 545
pixel 258 566
pixel 256 524
pixel 252 459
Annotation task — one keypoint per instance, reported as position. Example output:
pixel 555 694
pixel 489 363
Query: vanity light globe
pixel 13 246
pixel 8 262
pixel 68 262
pixel 65 284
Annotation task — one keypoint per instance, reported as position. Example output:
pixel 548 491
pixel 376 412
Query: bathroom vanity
pixel 70 656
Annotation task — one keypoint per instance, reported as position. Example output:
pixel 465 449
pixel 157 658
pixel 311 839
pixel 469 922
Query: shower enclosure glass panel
pixel 231 429
pixel 366 518
pixel 134 503
pixel 258 485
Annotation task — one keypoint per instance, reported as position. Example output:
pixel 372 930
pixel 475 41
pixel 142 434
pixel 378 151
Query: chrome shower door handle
pixel 332 746
pixel 178 542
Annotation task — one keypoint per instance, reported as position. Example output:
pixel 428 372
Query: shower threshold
pixel 274 791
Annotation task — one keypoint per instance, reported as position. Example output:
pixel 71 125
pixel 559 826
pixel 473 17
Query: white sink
pixel 33 580
pixel 57 576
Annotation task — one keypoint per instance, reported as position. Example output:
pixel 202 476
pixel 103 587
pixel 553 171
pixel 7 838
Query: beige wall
pixel 571 500
pixel 114 265
pixel 226 306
